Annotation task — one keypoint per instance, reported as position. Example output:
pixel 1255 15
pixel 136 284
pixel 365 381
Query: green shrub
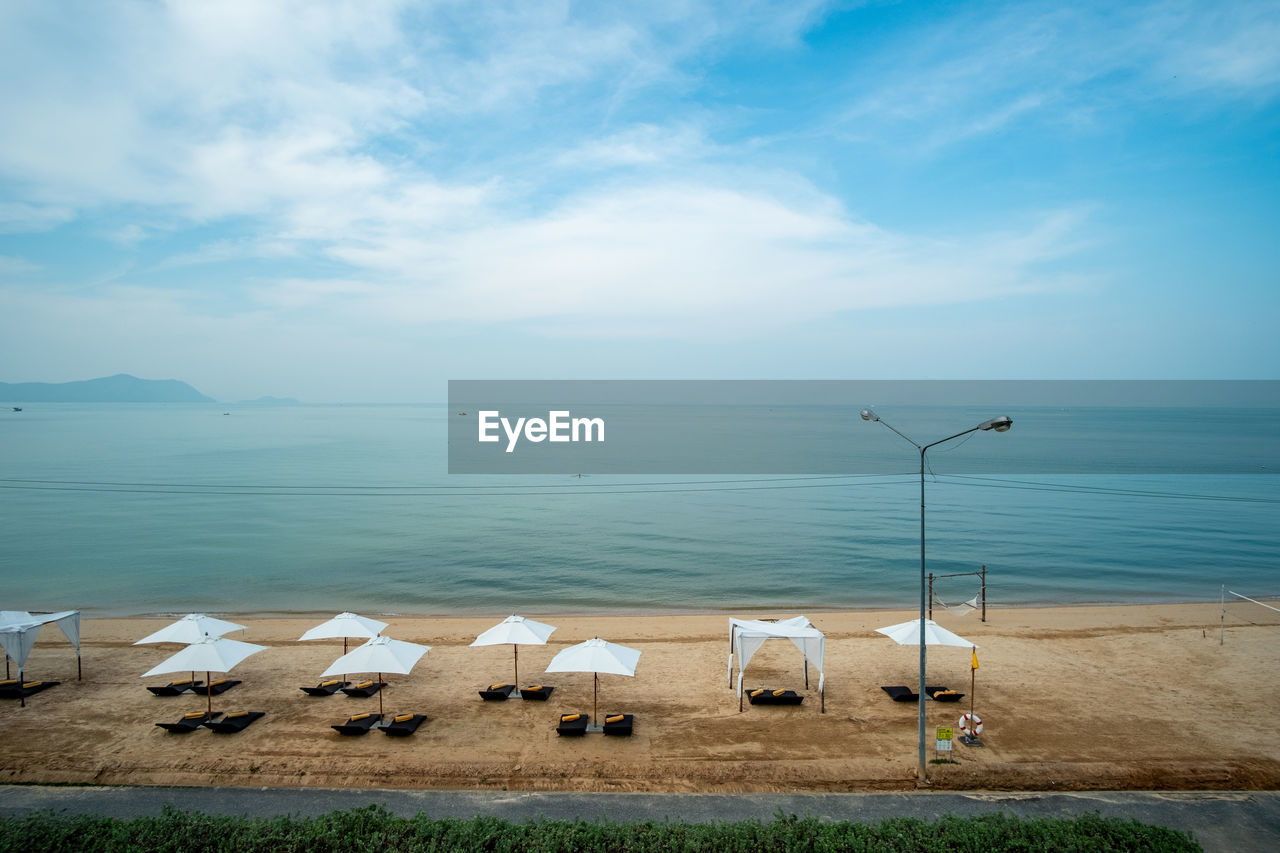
pixel 375 829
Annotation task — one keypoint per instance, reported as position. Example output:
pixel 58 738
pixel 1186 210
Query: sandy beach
pixel 1123 697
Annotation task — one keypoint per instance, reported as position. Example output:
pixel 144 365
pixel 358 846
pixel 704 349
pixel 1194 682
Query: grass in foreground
pixel 375 829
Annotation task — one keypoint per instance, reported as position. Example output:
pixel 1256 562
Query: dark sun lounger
pixel 618 724
pixel 364 689
pixel 213 688
pixel 236 722
pixel 325 688
pixel 572 724
pixel 942 694
pixel 497 692
pixel 358 725
pixel 28 688
pixel 404 725
pixel 174 688
pixel 763 696
pixel 537 693
pixel 898 693
pixel 188 723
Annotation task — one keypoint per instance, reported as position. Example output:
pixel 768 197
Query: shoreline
pixel 1073 698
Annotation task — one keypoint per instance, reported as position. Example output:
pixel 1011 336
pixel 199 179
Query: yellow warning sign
pixel 944 733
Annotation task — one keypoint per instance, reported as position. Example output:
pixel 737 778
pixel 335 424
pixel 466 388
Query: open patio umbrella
pixel 379 654
pixel 908 634
pixel 596 656
pixel 513 631
pixel 345 625
pixel 191 629
pixel 211 654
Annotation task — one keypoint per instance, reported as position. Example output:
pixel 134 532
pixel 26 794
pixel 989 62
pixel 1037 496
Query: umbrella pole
pixel 208 692
pixel 379 694
pixel 516 648
pixel 595 696
pixel 22 694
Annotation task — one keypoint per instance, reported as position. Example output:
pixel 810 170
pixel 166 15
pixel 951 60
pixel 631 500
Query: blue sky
pixel 358 201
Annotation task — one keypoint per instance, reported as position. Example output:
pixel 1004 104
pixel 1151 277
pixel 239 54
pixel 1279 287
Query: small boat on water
pixel 17 408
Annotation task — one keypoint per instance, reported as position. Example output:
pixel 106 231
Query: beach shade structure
pixel 345 625
pixel 191 628
pixel 908 634
pixel 379 654
pixel 211 654
pixel 513 631
pixel 19 630
pixel 596 656
pixel 746 636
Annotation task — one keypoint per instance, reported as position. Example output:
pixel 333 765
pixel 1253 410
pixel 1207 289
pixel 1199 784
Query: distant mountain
pixel 121 388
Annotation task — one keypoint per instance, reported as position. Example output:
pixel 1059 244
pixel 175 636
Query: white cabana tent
pixel 746 636
pixel 19 630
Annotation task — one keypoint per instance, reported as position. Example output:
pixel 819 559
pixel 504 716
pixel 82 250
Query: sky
pixel 358 201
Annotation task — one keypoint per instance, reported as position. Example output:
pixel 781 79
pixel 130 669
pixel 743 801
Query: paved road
pixel 1221 821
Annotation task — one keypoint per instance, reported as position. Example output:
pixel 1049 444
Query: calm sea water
pixel 124 509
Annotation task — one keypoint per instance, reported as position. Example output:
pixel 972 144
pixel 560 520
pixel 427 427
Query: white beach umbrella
pixel 596 656
pixel 190 629
pixel 908 634
pixel 379 654
pixel 345 625
pixel 513 631
pixel 211 654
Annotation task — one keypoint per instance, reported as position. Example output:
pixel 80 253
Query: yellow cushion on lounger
pixel 8 681
pixel 193 716
pixel 944 693
pixel 329 683
pixel 534 687
pixel 497 686
pixel 32 684
pixel 616 718
pixel 183 681
pixel 569 718
pixel 404 718
pixel 362 685
pixel 779 692
pixel 757 692
pixel 237 714
pixel 216 683
pixel 359 717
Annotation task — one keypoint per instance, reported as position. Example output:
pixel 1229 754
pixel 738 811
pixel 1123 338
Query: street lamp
pixel 1000 424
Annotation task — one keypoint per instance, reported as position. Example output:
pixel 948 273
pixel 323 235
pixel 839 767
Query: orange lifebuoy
pixel 971 724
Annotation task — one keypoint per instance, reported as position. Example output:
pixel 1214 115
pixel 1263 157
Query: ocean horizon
pixel 126 509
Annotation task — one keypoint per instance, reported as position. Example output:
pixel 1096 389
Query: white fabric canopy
pixel 191 628
pixel 908 634
pixel 19 630
pixel 345 625
pixel 746 636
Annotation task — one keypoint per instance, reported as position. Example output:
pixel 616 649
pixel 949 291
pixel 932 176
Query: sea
pixel 124 509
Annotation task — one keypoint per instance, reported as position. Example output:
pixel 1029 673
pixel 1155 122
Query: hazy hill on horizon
pixel 121 388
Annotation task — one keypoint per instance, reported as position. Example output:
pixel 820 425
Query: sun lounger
pixel 572 724
pixel 618 724
pixel 537 693
pixel 236 722
pixel 325 688
pixel 497 692
pixel 188 723
pixel 213 688
pixel 764 696
pixel 942 694
pixel 898 693
pixel 358 725
pixel 174 688
pixel 403 725
pixel 364 689
pixel 28 688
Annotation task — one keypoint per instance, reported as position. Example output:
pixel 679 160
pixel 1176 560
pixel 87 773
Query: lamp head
pixel 868 415
pixel 1000 424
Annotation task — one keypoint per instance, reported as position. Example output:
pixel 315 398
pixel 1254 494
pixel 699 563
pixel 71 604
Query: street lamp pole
pixel 1000 424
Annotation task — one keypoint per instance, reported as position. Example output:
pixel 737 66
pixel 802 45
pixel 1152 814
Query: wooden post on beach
pixel 984 592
